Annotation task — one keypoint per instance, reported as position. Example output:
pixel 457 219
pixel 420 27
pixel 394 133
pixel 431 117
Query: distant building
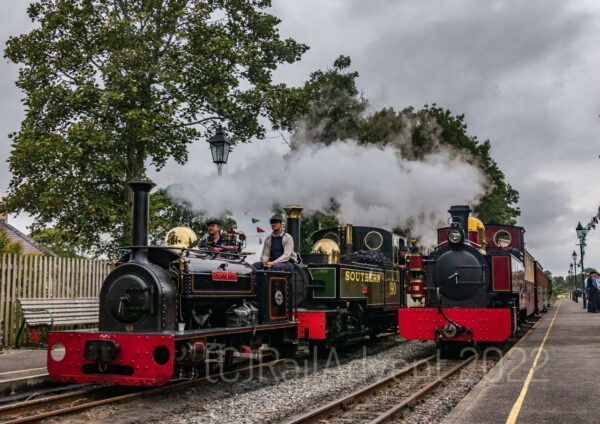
pixel 29 245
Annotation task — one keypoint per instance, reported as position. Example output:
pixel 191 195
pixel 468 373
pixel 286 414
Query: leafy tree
pixel 315 221
pixel 560 285
pixel 338 112
pixel 113 87
pixel 7 246
pixel 499 204
pixel 58 241
pixel 167 213
pixel 336 105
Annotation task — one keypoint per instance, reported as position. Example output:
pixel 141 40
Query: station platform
pixel 552 375
pixel 21 369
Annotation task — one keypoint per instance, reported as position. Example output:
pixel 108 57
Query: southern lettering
pixel 363 277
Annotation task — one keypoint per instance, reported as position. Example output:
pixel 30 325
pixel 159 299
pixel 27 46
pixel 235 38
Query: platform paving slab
pixel 565 384
pixel 22 370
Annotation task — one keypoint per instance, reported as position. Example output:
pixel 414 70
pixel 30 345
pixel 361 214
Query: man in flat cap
pixel 215 236
pixel 278 251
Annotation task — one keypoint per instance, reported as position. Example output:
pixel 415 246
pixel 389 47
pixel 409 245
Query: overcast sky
pixel 525 73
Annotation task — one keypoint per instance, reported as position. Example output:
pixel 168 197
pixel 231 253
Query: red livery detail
pixel 312 325
pixel 415 262
pixel 135 364
pixel 224 276
pixel 474 237
pixel 490 325
pixel 501 273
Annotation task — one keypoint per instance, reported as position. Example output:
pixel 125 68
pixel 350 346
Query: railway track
pixel 384 399
pixel 33 410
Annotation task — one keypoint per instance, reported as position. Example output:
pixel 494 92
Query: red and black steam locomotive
pixel 477 285
pixel 173 310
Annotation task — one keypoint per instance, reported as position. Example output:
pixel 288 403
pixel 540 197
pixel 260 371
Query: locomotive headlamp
pixel 455 236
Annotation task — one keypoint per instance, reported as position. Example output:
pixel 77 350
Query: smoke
pixel 375 186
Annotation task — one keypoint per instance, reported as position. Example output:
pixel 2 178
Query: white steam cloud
pixel 373 186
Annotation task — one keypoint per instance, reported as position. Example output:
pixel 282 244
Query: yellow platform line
pixel 516 409
pixel 19 371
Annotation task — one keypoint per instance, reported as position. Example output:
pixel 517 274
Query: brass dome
pixel 181 237
pixel 330 248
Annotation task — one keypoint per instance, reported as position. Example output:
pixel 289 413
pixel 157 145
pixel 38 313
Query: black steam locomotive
pixel 481 285
pixel 170 311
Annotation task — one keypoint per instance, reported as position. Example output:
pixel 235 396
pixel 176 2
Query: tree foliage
pixel 167 213
pixel 112 87
pixel 315 221
pixel 7 246
pixel 60 242
pixel 338 111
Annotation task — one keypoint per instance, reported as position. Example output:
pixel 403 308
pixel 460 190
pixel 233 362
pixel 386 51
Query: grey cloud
pixel 524 73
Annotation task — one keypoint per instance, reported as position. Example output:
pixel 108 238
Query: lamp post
pixel 220 147
pixel 571 280
pixel 574 267
pixel 580 235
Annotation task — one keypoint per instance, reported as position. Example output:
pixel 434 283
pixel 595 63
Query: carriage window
pixel 373 240
pixel 502 238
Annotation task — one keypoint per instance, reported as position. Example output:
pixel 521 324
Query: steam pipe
pixel 294 213
pixel 139 227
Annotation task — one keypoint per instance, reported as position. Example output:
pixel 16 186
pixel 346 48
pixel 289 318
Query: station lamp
pixel 579 230
pixel 220 147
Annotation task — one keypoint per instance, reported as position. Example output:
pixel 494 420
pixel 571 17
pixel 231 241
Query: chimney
pixel 139 227
pixel 460 214
pixel 294 213
pixel 3 216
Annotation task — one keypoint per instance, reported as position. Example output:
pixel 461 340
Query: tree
pixel 317 220
pixel 58 241
pixel 7 246
pixel 560 285
pixel 113 87
pixel 499 204
pixel 336 105
pixel 338 111
pixel 167 213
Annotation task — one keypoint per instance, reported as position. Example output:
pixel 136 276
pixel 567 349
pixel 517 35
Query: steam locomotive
pixel 480 284
pixel 171 311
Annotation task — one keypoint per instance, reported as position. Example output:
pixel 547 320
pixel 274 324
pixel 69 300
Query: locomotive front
pixel 465 307
pixel 171 311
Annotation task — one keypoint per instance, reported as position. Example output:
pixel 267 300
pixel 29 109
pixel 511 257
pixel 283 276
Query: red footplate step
pixel 489 325
pixel 312 325
pixel 140 360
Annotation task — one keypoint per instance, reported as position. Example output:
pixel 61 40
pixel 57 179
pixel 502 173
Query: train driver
pixel 278 251
pixel 215 236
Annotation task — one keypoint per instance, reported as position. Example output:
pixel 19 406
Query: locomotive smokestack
pixel 460 214
pixel 139 228
pixel 294 213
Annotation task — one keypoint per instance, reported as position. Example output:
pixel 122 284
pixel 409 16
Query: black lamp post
pixel 571 280
pixel 220 147
pixel 574 266
pixel 580 235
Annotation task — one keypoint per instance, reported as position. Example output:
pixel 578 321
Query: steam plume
pixel 374 186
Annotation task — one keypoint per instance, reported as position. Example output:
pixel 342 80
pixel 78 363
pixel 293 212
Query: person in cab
pixel 278 250
pixel 215 236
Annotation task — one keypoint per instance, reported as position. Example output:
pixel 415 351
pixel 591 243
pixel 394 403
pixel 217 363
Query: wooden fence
pixel 44 276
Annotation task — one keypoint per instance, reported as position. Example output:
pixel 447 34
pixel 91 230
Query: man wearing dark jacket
pixel 591 287
pixel 278 251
